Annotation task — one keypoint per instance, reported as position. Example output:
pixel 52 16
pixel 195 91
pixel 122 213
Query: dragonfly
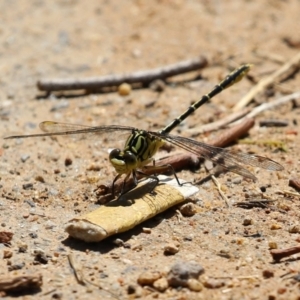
pixel 141 145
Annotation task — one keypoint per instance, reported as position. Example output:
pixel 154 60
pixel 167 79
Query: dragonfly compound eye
pixel 115 153
pixel 130 159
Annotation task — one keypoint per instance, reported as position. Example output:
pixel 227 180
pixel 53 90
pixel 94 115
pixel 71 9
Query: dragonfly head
pixel 123 161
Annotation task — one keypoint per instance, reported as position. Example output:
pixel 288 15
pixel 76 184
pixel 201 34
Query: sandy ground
pixel 40 192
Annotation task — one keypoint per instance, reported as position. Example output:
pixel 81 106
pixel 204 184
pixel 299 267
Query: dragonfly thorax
pixel 139 150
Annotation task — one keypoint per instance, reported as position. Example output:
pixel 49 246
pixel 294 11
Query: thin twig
pixel 218 124
pixel 284 72
pixel 254 203
pixel 80 277
pixel 101 288
pixel 219 187
pixel 278 254
pixel 144 77
pixel 265 106
pixel 270 56
pixel 273 123
pixel 76 270
pixel 285 192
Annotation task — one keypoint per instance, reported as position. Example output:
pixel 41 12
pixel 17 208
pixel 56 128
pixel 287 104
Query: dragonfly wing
pixel 51 127
pixel 82 132
pixel 66 128
pixel 230 160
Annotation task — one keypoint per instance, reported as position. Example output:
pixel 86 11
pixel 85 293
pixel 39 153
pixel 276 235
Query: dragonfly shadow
pixel 128 198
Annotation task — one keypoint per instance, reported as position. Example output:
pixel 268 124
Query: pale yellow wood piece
pixel 126 213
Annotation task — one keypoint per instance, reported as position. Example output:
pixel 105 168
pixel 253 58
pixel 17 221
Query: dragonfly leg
pixel 152 176
pixel 113 185
pixel 162 169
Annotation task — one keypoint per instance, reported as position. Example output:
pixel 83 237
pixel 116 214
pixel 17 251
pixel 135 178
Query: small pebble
pixel 171 249
pixel 225 253
pixel 195 285
pixel 237 180
pixel 93 167
pixel 284 206
pixel 294 229
pixel 188 238
pixel 146 230
pixel 137 247
pixel 124 89
pixel 131 288
pixel 161 284
pixel 273 245
pixel 27 186
pixel 212 283
pixel 281 291
pixel 267 273
pixel 5 236
pixel 148 277
pixel 114 255
pixel 37 251
pixel 297 277
pixel 16 267
pixel 240 241
pixel 181 272
pixel 7 253
pixel 57 295
pixel 275 226
pixel 24 157
pixel 188 209
pixel 247 222
pixel 263 189
pixel 41 258
pixel 22 247
pixel 33 235
pixel 49 224
pixel 68 161
pixel 118 242
pixel 40 179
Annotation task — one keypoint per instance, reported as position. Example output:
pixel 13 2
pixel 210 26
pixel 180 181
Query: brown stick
pixel 278 254
pixel 295 183
pixel 21 283
pixel 232 134
pixel 145 77
pixel 218 124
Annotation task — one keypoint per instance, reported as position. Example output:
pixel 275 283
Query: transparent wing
pixel 229 160
pixel 56 128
